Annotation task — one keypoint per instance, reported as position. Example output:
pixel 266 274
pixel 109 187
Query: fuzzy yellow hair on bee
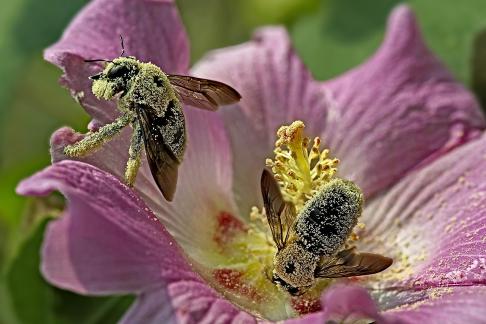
pixel 151 102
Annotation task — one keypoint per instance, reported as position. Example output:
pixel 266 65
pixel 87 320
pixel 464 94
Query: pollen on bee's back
pixel 327 220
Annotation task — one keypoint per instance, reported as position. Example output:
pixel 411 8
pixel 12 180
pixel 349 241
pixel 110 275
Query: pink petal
pixel 433 223
pixel 152 31
pixel 108 241
pixel 185 302
pixel 152 306
pixel 276 88
pixel 453 305
pixel 398 110
pixel 439 305
pixel 344 302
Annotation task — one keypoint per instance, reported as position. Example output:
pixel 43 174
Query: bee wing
pixel 349 263
pixel 203 93
pixel 163 162
pixel 280 215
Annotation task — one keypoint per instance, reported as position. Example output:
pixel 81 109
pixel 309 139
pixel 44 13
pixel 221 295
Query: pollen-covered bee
pixel 312 244
pixel 150 101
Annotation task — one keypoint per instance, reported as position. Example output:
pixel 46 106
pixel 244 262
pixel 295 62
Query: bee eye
pixel 292 290
pixel 290 268
pixel 118 71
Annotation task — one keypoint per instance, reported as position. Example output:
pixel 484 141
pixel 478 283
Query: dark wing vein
pixel 349 263
pixel 280 215
pixel 162 161
pixel 203 93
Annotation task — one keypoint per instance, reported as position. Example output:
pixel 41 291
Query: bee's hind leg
pixel 135 153
pixel 94 140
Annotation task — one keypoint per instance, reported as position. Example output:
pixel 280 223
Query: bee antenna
pixel 98 60
pixel 122 46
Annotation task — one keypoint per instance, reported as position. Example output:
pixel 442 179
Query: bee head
pixel 115 78
pixel 295 267
pixel 294 291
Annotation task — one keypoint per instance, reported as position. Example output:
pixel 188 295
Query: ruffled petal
pixel 152 306
pixel 276 88
pixel 397 111
pixel 433 223
pixel 152 31
pixel 108 241
pixel 344 304
pixel 184 302
pixel 348 304
pixel 341 303
pixel 453 305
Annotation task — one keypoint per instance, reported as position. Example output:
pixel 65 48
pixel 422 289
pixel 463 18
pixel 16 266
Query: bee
pixel 312 244
pixel 151 102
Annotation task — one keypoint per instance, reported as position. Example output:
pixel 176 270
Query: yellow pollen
pixel 300 170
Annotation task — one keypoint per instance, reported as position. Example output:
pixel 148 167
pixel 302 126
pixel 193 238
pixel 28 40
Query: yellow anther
pixel 292 134
pixel 305 142
pixel 301 170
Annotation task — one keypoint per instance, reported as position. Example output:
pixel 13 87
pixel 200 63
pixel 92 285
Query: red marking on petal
pixel 227 227
pixel 232 280
pixel 306 306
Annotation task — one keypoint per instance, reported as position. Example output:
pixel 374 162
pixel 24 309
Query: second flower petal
pixel 397 111
pixel 108 241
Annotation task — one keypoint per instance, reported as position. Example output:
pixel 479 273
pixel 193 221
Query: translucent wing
pixel 349 263
pixel 203 93
pixel 163 162
pixel 280 215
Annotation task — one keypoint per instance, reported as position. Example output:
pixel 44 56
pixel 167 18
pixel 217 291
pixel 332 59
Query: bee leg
pixel 94 140
pixel 135 153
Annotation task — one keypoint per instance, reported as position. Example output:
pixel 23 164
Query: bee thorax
pixel 327 220
pixel 295 266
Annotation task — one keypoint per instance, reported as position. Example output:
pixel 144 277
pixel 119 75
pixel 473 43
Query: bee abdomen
pixel 328 218
pixel 174 127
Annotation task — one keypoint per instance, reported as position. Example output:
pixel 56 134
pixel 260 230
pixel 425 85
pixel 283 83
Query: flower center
pixel 249 251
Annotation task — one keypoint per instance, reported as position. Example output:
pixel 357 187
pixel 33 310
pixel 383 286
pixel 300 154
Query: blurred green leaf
pixel 344 33
pixel 7 315
pixel 219 23
pixel 32 104
pixel 26 28
pixel 31 297
pixel 35 301
pixel 478 68
pixel 36 110
pixel 40 23
pixel 258 12
pixel 33 117
pixel 72 309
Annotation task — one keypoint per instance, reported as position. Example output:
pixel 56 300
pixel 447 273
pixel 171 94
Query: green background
pixel 330 35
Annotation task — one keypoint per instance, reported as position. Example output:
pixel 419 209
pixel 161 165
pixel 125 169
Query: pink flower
pixel 404 130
